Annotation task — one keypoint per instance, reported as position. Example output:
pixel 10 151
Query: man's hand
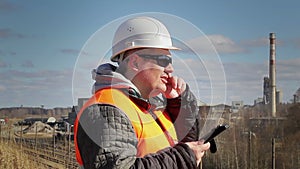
pixel 175 87
pixel 199 149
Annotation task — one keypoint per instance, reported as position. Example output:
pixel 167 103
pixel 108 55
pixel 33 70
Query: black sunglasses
pixel 162 60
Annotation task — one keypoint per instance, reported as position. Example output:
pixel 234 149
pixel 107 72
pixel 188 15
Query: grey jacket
pixel 106 138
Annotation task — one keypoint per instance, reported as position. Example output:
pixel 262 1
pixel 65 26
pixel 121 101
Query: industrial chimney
pixel 272 74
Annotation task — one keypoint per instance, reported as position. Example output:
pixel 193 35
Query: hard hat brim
pixel 114 58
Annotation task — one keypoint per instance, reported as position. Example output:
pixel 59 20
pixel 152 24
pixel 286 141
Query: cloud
pixel 12 53
pixel 2 88
pixel 52 88
pixel 245 71
pixel 242 81
pixel 3 64
pixel 8 33
pixel 74 52
pixel 245 80
pixel 8 53
pixel 7 6
pixel 288 69
pixel 260 42
pixel 4 32
pixel 70 51
pixel 225 45
pixel 205 77
pixel 208 44
pixel 295 43
pixel 27 64
pixel 38 75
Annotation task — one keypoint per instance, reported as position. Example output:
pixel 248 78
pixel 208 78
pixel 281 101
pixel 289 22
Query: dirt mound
pixel 38 127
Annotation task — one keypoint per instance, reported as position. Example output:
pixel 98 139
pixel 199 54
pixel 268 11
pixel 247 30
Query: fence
pixel 52 152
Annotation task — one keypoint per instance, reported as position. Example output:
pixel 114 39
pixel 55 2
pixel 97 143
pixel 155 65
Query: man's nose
pixel 169 68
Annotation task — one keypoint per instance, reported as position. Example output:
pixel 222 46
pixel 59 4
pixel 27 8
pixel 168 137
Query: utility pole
pixel 42 112
pixel 273 153
pixel 249 133
pixel 249 142
pixel 235 149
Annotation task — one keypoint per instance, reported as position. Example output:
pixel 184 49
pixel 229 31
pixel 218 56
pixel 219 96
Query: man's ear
pixel 133 62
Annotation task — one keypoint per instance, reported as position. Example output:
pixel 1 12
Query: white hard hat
pixel 140 32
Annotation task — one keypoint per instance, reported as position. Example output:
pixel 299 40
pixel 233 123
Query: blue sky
pixel 40 42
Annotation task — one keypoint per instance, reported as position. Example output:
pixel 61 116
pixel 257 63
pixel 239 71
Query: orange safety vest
pixel 152 135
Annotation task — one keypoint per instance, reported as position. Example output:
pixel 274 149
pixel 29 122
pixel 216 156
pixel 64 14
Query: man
pixel 125 124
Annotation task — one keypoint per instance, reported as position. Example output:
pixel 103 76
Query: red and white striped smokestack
pixel 272 73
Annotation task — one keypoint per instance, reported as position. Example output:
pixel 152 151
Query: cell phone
pixel 214 132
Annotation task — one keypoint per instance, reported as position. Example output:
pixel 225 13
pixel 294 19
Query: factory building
pixel 279 96
pixel 258 101
pixel 271 95
pixel 297 96
pixel 266 91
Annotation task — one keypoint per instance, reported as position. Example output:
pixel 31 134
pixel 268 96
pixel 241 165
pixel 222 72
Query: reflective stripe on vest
pixel 151 136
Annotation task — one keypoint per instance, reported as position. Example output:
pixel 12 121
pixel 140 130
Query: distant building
pixel 279 97
pixel 72 115
pixel 258 101
pixel 236 106
pixel 267 92
pixel 297 96
pixel 75 109
pixel 81 102
pixel 220 108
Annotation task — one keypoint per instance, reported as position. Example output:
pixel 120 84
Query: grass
pixel 12 158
